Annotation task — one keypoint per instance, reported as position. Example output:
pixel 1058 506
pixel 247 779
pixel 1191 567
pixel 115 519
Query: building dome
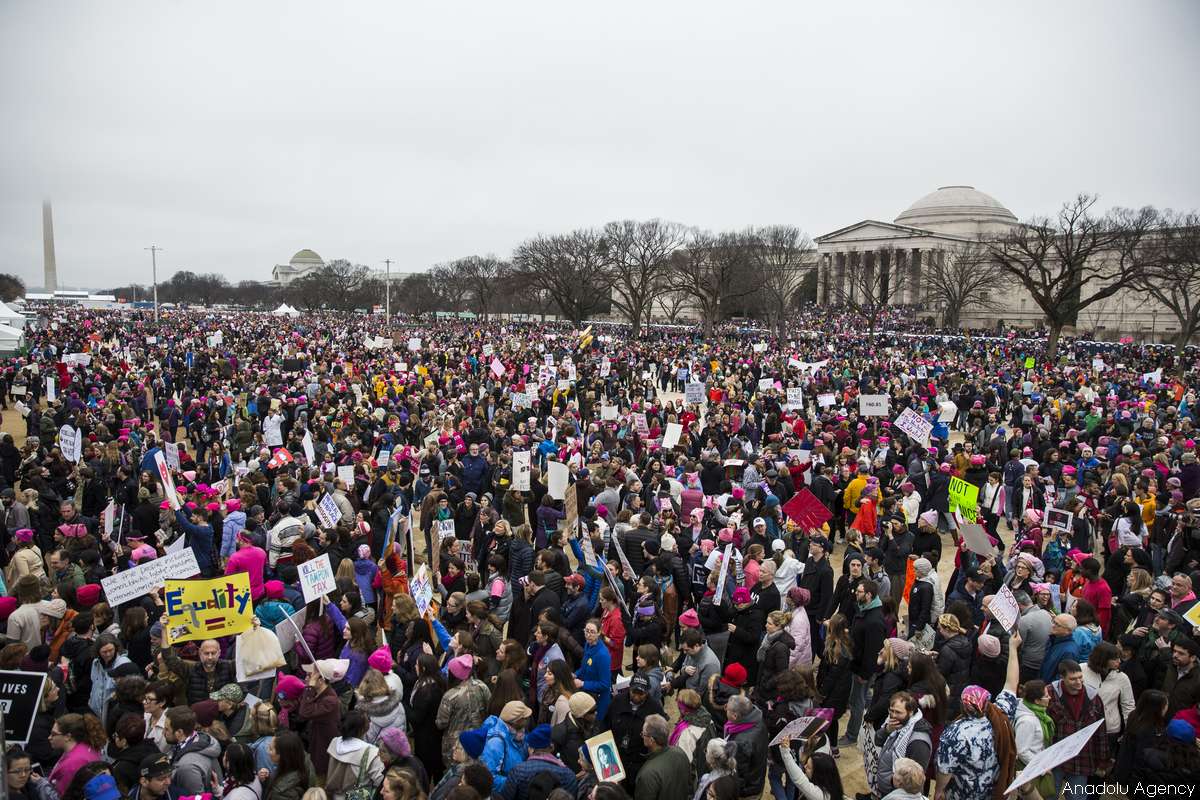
pixel 958 210
pixel 306 258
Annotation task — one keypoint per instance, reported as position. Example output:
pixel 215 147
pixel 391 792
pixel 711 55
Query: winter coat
pixel 867 633
pixel 666 775
pixel 801 634
pixel 386 711
pixel 463 708
pixel 194 763
pixel 775 661
pixel 625 721
pixel 954 662
pixel 201 684
pixel 1057 648
pixel 596 675
pixel 103 686
pixel 252 561
pixel 833 683
pixel 234 521
pixel 323 713
pixel 501 751
pixel 346 758
pixel 364 576
pixel 745 639
pixel 751 754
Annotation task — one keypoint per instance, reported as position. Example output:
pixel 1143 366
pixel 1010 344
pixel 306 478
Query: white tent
pixel 285 310
pixel 11 339
pixel 11 317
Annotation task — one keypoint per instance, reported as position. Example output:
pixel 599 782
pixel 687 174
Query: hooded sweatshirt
pixel 346 757
pixel 194 761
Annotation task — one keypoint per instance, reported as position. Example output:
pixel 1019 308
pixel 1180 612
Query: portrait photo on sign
pixel 1060 519
pixel 606 761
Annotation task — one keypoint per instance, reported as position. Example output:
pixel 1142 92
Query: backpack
pixel 362 788
pixel 542 785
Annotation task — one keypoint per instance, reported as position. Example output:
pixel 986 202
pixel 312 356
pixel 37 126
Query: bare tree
pixel 714 271
pixel 309 291
pixel 781 256
pixel 1173 275
pixel 638 255
pixel 449 287
pixel 872 283
pixel 570 268
pixel 343 283
pixel 964 277
pixel 481 275
pixel 1074 260
pixel 672 305
pixel 416 295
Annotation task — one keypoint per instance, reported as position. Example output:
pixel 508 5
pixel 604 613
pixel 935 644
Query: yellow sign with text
pixel 207 609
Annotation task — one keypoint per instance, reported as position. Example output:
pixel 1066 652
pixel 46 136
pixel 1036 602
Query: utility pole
pixel 387 291
pixel 154 250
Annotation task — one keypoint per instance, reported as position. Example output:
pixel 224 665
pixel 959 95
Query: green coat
pixel 666 775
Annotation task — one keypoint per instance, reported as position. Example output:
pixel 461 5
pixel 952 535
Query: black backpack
pixel 542 785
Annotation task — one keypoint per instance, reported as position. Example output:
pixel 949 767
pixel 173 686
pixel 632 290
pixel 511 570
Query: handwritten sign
pixel 694 393
pixel 557 477
pixel 671 437
pixel 148 577
pixel 873 405
pixel 1004 608
pixel 917 427
pixel 965 497
pixel 207 609
pixel 316 577
pixel 328 512
pixel 826 399
pixel 422 590
pixel 521 470
pixel 168 483
pixel 726 557
pixel 795 397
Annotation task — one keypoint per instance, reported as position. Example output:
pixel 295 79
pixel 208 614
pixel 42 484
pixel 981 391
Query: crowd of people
pixel 547 536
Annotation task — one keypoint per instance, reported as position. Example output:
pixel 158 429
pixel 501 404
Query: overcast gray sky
pixel 233 134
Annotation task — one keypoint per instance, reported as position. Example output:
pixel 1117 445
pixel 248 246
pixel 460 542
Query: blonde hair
pixel 373 684
pixel 1141 579
pixel 780 619
pixel 315 793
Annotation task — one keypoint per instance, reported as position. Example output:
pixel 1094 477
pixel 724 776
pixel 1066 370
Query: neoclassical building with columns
pixel 944 220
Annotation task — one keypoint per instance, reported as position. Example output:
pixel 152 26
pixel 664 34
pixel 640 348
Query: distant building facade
pixel 300 265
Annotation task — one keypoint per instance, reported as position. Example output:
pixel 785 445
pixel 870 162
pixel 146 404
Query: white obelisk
pixel 51 267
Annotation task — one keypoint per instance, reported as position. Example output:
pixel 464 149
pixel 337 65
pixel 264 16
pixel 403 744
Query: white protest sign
pixel 826 399
pixel 766 384
pixel 1004 608
pixel 421 590
pixel 916 426
pixel 288 634
pixel 488 350
pixel 168 483
pixel 149 576
pixel 605 367
pixel 66 441
pixel 1098 364
pixel 177 545
pixel 1059 519
pixel 383 458
pixel 639 421
pixel 328 512
pixel 719 595
pixel 347 475
pixel 1058 753
pixel 800 729
pixel 671 437
pixel 497 367
pixel 414 344
pixel 316 578
pixel 948 411
pixel 608 413
pixel 557 477
pixel 520 470
pixel 309 452
pixel 922 372
pixel 109 516
pixel 760 347
pixel 976 538
pixel 51 393
pixel 694 393
pixel 171 450
pixel 873 405
pixel 625 565
pixel 795 397
pixel 445 529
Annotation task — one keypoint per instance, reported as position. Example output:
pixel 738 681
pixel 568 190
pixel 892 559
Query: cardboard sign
pixel 316 578
pixel 976 538
pixel 801 728
pixel 521 470
pixel 606 761
pixel 1058 753
pixel 148 577
pixel 164 475
pixel 806 510
pixel 873 405
pixel 346 474
pixel 694 393
pixel 328 513
pixel 20 696
pixel 671 437
pixel 795 397
pixel 558 475
pixel 964 497
pixel 207 609
pixel 917 427
pixel 1005 609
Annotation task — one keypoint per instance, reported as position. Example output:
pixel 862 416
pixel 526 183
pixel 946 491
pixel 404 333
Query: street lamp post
pixel 154 250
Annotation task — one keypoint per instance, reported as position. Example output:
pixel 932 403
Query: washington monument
pixel 51 279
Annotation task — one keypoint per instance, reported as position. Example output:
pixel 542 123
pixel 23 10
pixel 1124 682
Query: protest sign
pixel 207 609
pixel 51 392
pixel 164 476
pixel 346 474
pixel 976 538
pixel 608 413
pixel 605 367
pixel 826 399
pixel 626 568
pixel 1059 519
pixel 328 512
pixel 414 344
pixel 922 372
pixel 289 634
pixel 916 426
pixel 606 761
pixel 20 699
pixel 694 393
pixel 795 397
pixel 109 516
pixel 497 367
pixel 421 590
pixel 445 529
pixel 557 477
pixel 766 384
pixel 1004 608
pixel 806 510
pixel 873 405
pixel 316 577
pixel 671 437
pixel 726 557
pixel 310 452
pixel 1030 362
pixel 1056 754
pixel 1193 615
pixel 947 411
pixel 521 470
pixel 639 421
pixel 964 497
pixel 800 729
pixel 171 451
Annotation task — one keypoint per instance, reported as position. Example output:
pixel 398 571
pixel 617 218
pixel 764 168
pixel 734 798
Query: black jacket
pixel 818 579
pixel 774 663
pixel 626 724
pixel 745 639
pixel 201 684
pixel 920 606
pixel 751 754
pixel 867 633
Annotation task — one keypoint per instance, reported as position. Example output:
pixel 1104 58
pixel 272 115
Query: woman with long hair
pixel 816 776
pixel 380 696
pixel 1143 731
pixel 833 676
pixel 506 687
pixel 294 771
pixel 560 685
pixel 80 738
pixel 241 778
pixel 427 694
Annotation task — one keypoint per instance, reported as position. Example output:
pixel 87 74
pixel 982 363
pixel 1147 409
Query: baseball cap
pixel 639 683
pixel 156 765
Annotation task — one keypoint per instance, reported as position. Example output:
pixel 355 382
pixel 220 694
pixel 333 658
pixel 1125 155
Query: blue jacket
pixel 364 575
pixel 272 612
pixel 236 521
pixel 516 787
pixel 474 473
pixel 1059 647
pixel 200 539
pixel 502 751
pixel 596 673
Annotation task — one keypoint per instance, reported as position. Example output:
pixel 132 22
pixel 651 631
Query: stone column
pixel 823 279
pixel 839 278
pixel 914 275
pixel 899 270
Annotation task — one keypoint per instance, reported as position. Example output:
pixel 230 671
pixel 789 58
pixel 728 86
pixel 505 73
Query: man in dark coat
pixel 626 715
pixel 867 632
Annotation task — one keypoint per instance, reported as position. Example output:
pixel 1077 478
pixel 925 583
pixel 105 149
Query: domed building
pixel 889 256
pixel 303 262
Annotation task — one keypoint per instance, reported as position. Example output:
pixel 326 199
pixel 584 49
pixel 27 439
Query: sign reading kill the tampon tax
pixel 207 609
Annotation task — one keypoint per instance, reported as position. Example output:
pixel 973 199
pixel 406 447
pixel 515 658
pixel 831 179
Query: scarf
pixel 905 733
pixel 680 727
pixel 734 728
pixel 1044 718
pixel 766 644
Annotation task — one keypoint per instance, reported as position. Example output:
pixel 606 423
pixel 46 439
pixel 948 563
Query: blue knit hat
pixel 538 738
pixel 1181 731
pixel 101 787
pixel 473 741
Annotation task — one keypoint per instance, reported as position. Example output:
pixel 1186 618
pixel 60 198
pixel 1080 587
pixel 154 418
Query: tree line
pixel 653 270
